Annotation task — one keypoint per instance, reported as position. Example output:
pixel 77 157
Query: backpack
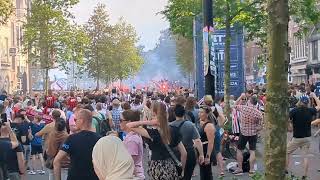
pixel 190 117
pixel 103 125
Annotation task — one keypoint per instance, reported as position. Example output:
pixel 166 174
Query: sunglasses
pixel 206 108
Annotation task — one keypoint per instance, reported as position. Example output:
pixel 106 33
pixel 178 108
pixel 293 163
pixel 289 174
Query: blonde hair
pixel 208 100
pixel 163 123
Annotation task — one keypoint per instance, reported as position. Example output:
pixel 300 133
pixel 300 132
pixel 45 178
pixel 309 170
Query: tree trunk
pixel 47 81
pixel 98 74
pixel 227 108
pixel 98 82
pixel 277 104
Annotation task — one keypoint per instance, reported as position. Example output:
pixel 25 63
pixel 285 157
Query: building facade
pixel 255 71
pixel 298 55
pixel 313 68
pixel 13 62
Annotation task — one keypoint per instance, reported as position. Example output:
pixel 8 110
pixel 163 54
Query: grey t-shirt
pixel 188 132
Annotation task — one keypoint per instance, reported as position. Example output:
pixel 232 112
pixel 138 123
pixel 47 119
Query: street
pixel 296 164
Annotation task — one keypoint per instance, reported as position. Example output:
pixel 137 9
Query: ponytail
pixel 163 123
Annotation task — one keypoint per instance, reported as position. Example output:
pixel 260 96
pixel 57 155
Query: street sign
pixel 12 51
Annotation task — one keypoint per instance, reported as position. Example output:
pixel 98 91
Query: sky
pixel 142 14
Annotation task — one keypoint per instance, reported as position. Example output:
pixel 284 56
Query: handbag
pixel 177 163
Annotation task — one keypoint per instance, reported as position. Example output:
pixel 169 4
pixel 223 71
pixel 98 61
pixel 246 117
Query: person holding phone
pixel 6 146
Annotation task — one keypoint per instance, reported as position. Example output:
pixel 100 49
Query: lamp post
pixel 207 34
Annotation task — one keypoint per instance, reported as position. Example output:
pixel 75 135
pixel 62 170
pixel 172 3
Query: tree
pixel 180 14
pixel 227 14
pixel 253 15
pixel 306 15
pixel 50 38
pixel 126 56
pixel 184 48
pixel 277 106
pixel 6 9
pixel 112 54
pixel 99 31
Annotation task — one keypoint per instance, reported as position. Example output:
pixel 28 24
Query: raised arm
pixel 314 96
pixel 243 95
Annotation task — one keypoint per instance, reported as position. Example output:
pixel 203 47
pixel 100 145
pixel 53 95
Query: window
pixel 314 50
pixel 13 64
pixel 7 49
pixel 13 35
pixel 18 36
pixel 18 4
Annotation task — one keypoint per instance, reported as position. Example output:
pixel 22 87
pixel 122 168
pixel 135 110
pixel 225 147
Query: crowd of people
pixel 106 135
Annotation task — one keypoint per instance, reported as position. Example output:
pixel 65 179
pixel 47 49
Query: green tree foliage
pixel 185 59
pixel 126 56
pixel 6 9
pixel 99 31
pixel 113 54
pixel 49 36
pixel 180 14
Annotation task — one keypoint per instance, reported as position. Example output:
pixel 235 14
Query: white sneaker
pixel 32 173
pixel 42 172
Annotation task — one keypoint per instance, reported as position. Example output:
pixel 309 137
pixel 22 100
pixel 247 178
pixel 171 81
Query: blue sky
pixel 140 13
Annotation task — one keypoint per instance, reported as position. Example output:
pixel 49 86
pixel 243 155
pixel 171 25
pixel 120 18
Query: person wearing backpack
pixel 97 119
pixel 190 139
pixel 104 125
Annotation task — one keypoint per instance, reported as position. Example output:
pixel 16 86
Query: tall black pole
pixel 208 30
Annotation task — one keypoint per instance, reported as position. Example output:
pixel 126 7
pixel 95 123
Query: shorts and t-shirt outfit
pixel 301 121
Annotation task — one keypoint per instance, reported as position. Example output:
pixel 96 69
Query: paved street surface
pixel 296 164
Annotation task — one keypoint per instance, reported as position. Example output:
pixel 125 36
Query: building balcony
pixel 299 60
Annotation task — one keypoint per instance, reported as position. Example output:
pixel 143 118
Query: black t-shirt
pixel 11 159
pixel 21 129
pixel 17 130
pixel 301 120
pixel 159 150
pixel 79 147
pixel 5 147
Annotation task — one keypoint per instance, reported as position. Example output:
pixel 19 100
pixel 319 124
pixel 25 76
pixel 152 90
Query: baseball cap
pixel 304 99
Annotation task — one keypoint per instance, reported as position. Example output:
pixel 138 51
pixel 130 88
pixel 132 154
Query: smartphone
pixel 4 118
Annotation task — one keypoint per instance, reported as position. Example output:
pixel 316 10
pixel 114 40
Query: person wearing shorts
pixel 300 123
pixel 243 140
pixel 36 146
pixel 250 123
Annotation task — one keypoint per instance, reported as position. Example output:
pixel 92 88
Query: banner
pixel 217 43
